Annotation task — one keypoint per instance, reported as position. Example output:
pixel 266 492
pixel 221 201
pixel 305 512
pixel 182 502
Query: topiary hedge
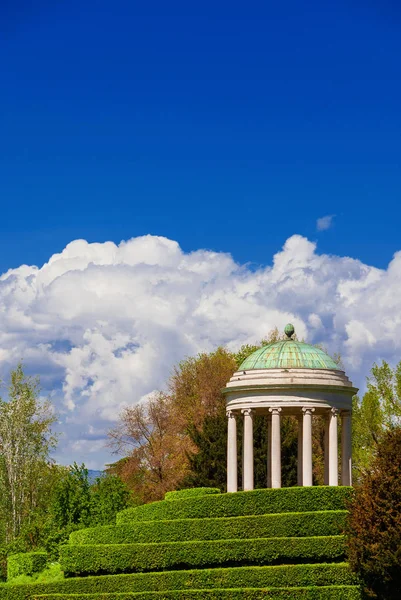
pixel 25 563
pixel 322 574
pixel 125 558
pixel 190 493
pixel 308 593
pixel 226 528
pixel 256 502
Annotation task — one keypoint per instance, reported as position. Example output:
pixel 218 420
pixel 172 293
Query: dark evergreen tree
pixel 208 464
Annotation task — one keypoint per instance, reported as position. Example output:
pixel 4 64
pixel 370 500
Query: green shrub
pixel 308 593
pixel 234 577
pixel 25 563
pixel 51 573
pixel 226 528
pixel 256 502
pixel 190 493
pixel 125 558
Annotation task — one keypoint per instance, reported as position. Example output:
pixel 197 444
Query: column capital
pixel 275 411
pixel 345 413
pixel 231 414
pixel 334 411
pixel 307 410
pixel 247 412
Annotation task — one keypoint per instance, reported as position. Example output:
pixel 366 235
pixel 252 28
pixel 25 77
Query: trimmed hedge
pixel 25 563
pixel 126 558
pixel 190 493
pixel 234 577
pixel 256 502
pixel 309 593
pixel 226 528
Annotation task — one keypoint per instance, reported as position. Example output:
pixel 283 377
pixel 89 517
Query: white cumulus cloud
pixel 103 324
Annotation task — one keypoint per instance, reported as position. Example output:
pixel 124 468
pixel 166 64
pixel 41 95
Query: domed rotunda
pixel 289 377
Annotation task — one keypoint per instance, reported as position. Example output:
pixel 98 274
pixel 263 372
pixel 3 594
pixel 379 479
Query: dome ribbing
pixel 288 354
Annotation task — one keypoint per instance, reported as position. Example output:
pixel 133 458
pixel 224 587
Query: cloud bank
pixel 103 324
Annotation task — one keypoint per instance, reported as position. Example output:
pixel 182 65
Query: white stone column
pixel 333 447
pixel 307 447
pixel 269 452
pixel 300 443
pixel 247 467
pixel 276 448
pixel 326 449
pixel 346 449
pixel 232 460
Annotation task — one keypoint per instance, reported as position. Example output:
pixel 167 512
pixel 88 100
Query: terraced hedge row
pixel 190 493
pixel 322 574
pixel 226 528
pixel 308 593
pixel 256 502
pixel 126 558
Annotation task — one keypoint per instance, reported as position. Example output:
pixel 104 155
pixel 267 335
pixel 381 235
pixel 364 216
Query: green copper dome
pixel 288 354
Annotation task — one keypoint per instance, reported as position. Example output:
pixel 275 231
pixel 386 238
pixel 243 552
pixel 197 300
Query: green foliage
pixel 378 411
pixel 190 493
pixel 50 574
pixel 56 537
pixel 385 382
pixel 76 504
pixel 26 440
pixel 71 499
pixel 207 466
pixel 125 558
pixel 256 502
pixel 374 536
pixel 108 496
pixel 25 564
pixel 275 525
pixel 308 593
pixel 233 577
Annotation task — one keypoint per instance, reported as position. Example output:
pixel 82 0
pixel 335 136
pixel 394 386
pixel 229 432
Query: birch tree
pixel 26 440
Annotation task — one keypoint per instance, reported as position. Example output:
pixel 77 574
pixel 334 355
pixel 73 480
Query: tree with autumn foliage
pixel 151 438
pixel 374 530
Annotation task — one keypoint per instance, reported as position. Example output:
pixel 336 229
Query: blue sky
pixel 221 126
pixel 249 154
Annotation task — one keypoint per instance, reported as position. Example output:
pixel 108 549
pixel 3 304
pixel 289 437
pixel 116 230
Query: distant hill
pixel 93 475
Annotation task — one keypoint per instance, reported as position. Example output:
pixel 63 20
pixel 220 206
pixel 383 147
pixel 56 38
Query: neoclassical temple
pixel 289 378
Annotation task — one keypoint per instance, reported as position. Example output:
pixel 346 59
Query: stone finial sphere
pixel 289 330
